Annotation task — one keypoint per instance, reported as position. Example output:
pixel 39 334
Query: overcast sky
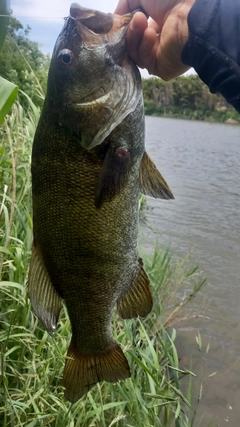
pixel 56 8
pixel 45 17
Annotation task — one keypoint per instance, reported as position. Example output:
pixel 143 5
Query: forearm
pixel 213 46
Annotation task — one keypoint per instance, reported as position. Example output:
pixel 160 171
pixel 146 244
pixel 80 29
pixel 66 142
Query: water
pixel 201 163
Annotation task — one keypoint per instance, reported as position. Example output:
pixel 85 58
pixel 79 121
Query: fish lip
pixel 96 100
pixel 99 22
pixel 100 100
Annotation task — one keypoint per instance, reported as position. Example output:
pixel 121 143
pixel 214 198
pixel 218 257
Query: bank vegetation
pixel 186 97
pixel 32 362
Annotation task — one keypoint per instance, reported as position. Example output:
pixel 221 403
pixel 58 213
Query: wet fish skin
pixel 86 179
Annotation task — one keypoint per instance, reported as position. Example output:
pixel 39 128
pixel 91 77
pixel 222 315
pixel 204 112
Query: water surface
pixel 201 163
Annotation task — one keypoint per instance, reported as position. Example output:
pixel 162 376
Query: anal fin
pixel 137 301
pixel 152 182
pixel 83 371
pixel 45 300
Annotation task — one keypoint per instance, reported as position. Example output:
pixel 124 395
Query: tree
pixel 23 63
pixel 8 91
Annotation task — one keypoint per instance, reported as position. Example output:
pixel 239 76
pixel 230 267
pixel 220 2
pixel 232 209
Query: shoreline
pixel 228 121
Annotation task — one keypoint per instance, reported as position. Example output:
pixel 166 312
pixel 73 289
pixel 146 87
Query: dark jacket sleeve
pixel 213 46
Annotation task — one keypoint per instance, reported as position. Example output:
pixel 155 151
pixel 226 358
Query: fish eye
pixel 66 56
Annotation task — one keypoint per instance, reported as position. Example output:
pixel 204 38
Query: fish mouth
pixel 99 22
pixel 96 30
pixel 93 100
pixel 102 85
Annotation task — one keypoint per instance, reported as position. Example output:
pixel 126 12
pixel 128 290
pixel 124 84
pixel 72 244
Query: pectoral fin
pixel 151 181
pixel 138 299
pixel 113 174
pixel 45 300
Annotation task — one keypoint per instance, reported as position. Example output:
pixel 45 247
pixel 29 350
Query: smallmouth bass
pixel 89 166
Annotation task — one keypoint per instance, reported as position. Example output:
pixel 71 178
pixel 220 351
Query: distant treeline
pixel 186 97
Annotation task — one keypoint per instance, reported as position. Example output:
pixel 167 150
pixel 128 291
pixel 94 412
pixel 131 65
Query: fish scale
pixel 88 167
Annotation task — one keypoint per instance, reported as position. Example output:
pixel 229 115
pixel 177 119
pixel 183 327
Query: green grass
pixel 32 362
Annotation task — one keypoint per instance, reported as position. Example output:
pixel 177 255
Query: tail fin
pixel 82 372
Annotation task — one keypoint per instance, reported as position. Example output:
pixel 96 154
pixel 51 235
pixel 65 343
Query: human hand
pixel 157 44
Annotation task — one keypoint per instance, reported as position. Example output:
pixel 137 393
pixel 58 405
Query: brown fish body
pixel 83 247
pixel 87 172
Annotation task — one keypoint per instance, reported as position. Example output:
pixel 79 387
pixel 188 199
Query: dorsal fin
pixel 152 182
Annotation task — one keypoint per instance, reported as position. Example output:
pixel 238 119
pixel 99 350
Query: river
pixel 201 163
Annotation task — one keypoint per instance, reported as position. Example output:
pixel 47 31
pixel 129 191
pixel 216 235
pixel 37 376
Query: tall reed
pixel 31 362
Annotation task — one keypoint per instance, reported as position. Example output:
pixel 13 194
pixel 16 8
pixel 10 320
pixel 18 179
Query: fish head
pixel 92 85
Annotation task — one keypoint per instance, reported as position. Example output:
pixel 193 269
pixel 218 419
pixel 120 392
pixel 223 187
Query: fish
pixel 89 166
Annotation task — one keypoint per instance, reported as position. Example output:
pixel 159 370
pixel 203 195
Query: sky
pixel 45 17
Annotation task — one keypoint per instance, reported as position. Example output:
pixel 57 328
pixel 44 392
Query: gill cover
pixel 99 86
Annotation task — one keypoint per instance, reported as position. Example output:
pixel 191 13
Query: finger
pixel 136 30
pixel 153 24
pixel 147 50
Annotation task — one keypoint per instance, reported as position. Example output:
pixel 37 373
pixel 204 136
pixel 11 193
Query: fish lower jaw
pixel 101 100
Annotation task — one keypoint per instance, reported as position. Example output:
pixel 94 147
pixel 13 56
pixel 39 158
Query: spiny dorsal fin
pixel 82 371
pixel 113 174
pixel 45 300
pixel 151 181
pixel 138 299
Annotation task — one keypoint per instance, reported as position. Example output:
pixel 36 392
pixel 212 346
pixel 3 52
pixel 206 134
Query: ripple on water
pixel 200 162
